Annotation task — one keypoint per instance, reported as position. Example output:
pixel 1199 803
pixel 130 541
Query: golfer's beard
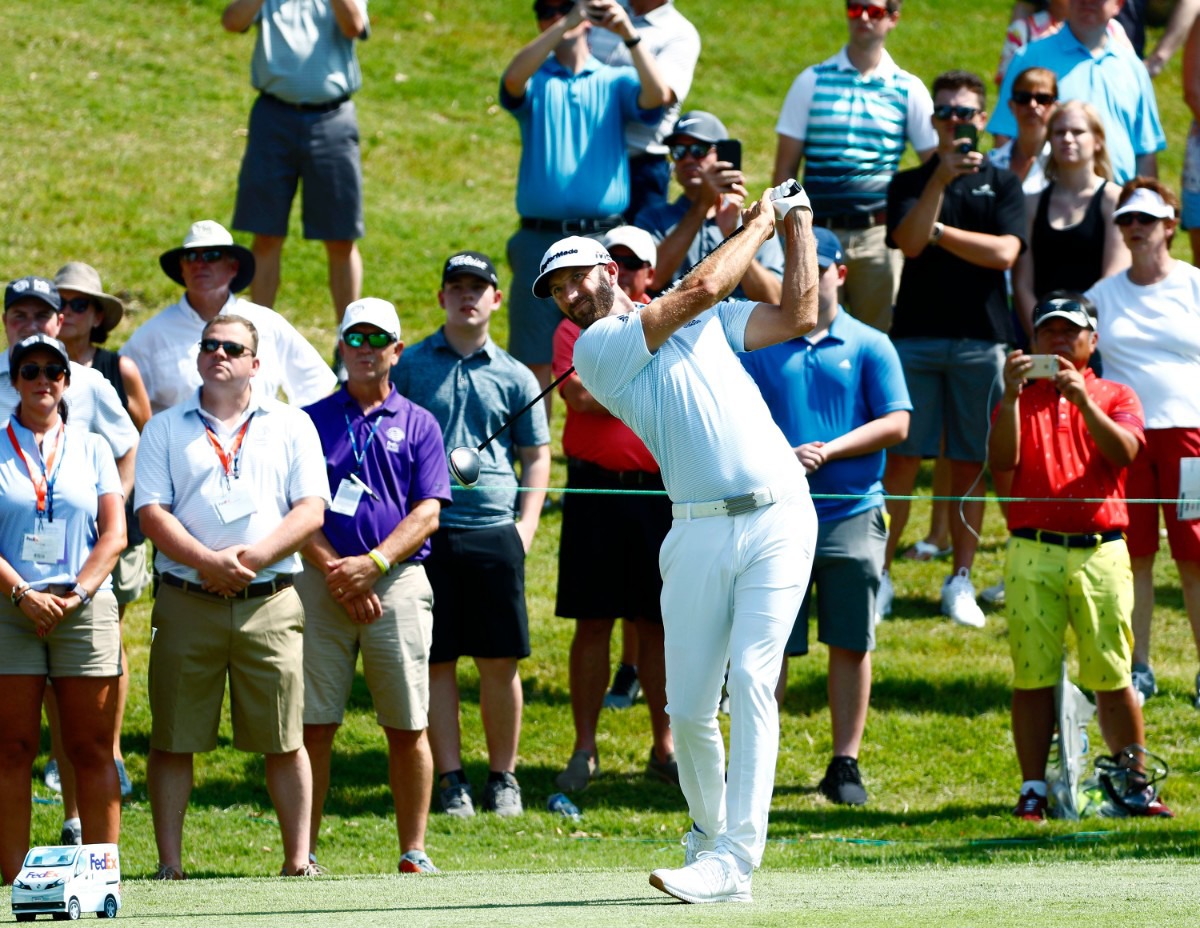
pixel 601 303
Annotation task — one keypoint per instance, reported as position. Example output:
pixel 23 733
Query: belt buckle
pixel 739 505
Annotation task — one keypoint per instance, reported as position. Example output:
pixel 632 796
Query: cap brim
pixel 170 262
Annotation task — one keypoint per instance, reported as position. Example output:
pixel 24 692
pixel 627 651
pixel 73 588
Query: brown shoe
pixel 167 872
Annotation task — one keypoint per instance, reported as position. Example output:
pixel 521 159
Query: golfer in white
pixel 736 562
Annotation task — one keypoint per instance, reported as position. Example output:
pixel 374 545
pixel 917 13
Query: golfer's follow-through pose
pixel 736 562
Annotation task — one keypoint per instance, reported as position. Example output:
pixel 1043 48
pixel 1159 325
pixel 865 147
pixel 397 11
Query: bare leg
pixel 589 678
pixel 66 770
pixel 445 738
pixel 1189 579
pixel 345 274
pixel 500 703
pixel 964 479
pixel 652 673
pixel 1033 729
pixel 20 724
pixel 1143 606
pixel 289 781
pixel 318 742
pixel 89 715
pixel 940 514
pixel 268 254
pixel 410 773
pixel 1120 719
pixel 781 683
pixel 899 478
pixel 122 688
pixel 629 642
pixel 169 782
pixel 1194 235
pixel 849 696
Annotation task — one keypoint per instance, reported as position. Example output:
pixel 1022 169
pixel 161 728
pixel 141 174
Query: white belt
pixel 730 506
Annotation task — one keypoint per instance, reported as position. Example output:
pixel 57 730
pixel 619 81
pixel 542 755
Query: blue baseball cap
pixel 829 249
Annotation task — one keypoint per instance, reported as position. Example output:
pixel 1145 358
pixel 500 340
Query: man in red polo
pixel 1069 439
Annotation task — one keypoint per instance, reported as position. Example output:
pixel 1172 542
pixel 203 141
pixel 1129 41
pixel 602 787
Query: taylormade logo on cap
pixel 573 251
pixel 546 262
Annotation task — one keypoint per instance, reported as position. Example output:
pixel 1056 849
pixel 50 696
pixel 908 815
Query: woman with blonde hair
pixel 1072 239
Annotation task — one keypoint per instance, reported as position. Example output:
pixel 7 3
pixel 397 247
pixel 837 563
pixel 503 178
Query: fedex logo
pixel 104 862
pixel 42 875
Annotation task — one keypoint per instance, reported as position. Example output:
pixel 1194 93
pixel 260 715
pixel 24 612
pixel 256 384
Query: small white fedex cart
pixel 67 881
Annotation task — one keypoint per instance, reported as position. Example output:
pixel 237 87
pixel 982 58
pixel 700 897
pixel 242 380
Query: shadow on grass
pixel 968 696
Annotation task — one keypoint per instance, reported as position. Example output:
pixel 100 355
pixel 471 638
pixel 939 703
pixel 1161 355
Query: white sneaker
pixel 789 196
pixel 883 599
pixel 958 600
pixel 694 842
pixel 993 595
pixel 714 877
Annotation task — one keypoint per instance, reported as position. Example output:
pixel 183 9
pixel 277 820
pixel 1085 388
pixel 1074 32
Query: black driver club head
pixel 464 466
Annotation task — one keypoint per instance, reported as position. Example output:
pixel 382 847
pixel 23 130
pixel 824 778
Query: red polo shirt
pixel 1061 462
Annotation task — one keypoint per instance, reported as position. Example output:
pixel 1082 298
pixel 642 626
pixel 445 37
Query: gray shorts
pixel 394 648
pixel 954 384
pixel 131 575
pixel 845 573
pixel 286 146
pixel 531 320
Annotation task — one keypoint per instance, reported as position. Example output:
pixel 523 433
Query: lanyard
pixel 43 488
pixel 358 457
pixel 230 460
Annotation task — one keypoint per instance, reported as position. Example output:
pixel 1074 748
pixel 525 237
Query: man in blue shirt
pixel 839 396
pixel 574 175
pixel 364 587
pixel 1107 74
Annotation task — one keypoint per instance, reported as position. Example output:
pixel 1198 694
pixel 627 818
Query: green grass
pixel 124 123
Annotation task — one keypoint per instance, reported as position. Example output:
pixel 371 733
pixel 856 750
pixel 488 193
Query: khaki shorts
pixel 395 650
pixel 131 575
pixel 196 641
pixel 86 644
pixel 1049 587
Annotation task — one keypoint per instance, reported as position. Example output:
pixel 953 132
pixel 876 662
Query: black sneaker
pixel 842 784
pixel 625 688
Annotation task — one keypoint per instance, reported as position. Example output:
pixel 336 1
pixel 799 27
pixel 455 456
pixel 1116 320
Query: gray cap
pixel 699 125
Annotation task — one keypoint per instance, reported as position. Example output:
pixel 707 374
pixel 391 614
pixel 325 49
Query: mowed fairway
pixel 1161 893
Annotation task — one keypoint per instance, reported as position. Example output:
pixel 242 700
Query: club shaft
pixel 524 409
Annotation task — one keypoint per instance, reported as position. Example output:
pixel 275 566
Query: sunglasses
pixel 962 113
pixel 53 372
pixel 874 13
pixel 78 304
pixel 696 149
pixel 374 339
pixel 231 349
pixel 208 255
pixel 1025 97
pixel 631 262
pixel 1142 219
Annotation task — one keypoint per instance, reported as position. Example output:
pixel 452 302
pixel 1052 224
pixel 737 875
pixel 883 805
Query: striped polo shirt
pixel 854 130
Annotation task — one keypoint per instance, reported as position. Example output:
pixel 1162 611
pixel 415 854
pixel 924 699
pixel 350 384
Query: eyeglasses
pixel 631 262
pixel 874 13
pixel 696 149
pixel 550 10
pixel 962 113
pixel 1142 219
pixel 208 255
pixel 232 349
pixel 1025 97
pixel 78 304
pixel 374 339
pixel 53 372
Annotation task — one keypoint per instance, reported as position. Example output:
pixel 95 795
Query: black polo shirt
pixel 941 295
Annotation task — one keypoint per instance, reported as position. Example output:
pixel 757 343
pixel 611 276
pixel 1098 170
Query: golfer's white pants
pixel 732 586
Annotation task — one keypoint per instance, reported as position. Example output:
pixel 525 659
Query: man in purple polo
pixel 364 588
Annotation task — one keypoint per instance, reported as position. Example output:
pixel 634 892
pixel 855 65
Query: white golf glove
pixel 789 196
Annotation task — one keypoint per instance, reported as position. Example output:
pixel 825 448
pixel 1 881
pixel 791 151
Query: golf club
pixel 464 461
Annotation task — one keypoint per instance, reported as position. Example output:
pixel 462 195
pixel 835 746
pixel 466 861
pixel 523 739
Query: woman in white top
pixel 59 540
pixel 1148 322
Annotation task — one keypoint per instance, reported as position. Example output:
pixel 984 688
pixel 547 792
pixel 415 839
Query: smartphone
pixel 730 150
pixel 595 15
pixel 967 136
pixel 1044 365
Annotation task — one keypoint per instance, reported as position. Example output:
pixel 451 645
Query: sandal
pixel 926 551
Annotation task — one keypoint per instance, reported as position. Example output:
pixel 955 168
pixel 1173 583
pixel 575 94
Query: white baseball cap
pixel 573 251
pixel 371 311
pixel 639 241
pixel 1150 202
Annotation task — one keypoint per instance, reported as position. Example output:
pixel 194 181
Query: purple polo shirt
pixel 403 462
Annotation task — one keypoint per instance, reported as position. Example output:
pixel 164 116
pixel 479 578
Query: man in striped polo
pixel 850 118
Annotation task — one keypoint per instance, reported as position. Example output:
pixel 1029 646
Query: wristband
pixel 936 235
pixel 380 561
pixel 630 43
pixel 18 592
pixel 81 591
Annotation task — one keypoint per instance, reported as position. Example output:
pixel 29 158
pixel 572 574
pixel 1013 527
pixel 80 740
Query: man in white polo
pixel 214 269
pixel 230 487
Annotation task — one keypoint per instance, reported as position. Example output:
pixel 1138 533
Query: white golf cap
pixel 639 241
pixel 371 311
pixel 573 251
pixel 1150 202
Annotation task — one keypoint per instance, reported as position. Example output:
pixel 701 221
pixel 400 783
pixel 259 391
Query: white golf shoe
pixel 716 876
